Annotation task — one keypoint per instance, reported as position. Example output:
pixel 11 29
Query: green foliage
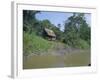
pixel 83 44
pixel 59 33
pixel 34 44
pixel 77 31
pixel 85 33
pixel 30 23
pixel 46 24
pixel 49 25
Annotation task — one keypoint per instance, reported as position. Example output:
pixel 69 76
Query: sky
pixel 59 17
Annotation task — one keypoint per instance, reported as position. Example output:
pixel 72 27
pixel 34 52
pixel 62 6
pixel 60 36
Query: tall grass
pixel 34 44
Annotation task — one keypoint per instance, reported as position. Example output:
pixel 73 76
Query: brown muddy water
pixel 75 59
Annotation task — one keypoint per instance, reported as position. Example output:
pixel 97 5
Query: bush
pixel 82 44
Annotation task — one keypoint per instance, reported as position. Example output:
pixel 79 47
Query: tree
pixel 46 24
pixel 76 29
pixel 29 20
pixel 85 32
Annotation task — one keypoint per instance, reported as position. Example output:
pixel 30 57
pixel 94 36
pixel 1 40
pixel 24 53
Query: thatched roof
pixel 50 32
